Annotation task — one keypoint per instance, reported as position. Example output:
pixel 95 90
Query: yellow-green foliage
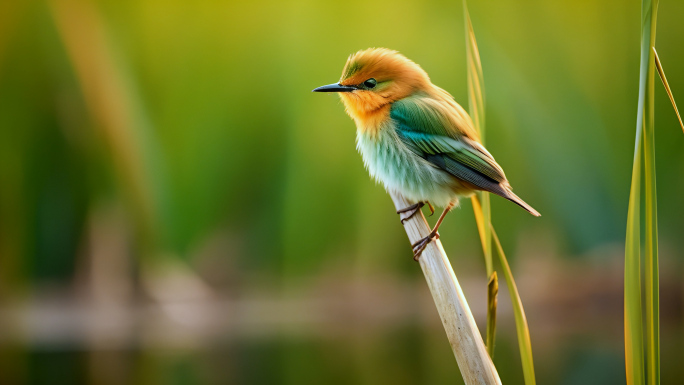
pixel 483 219
pixel 642 342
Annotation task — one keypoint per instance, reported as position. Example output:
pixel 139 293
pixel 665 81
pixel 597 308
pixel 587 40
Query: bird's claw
pixel 414 208
pixel 420 246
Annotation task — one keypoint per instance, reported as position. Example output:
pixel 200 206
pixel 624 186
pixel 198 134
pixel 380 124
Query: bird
pixel 414 138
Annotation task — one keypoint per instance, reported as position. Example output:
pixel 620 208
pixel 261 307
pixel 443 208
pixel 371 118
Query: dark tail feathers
pixel 515 199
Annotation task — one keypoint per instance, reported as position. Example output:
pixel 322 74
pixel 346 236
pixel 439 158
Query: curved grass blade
pixel 476 106
pixel 476 102
pixel 661 73
pixel 521 327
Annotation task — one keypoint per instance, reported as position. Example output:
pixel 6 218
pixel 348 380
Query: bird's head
pixel 374 78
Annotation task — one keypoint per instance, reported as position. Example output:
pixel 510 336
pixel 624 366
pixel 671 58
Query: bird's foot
pixel 414 209
pixel 420 246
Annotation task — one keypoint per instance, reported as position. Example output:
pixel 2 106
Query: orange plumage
pixel 371 108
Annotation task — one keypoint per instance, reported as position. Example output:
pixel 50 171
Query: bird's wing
pixel 425 130
pixel 445 139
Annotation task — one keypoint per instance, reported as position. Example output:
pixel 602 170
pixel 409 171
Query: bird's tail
pixel 515 199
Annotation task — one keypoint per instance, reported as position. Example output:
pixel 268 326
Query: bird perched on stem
pixel 413 136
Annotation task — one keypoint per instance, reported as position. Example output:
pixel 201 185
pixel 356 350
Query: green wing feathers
pixel 424 129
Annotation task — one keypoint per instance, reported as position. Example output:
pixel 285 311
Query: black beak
pixel 335 87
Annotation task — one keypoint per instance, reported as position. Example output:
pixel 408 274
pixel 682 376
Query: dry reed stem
pixel 471 354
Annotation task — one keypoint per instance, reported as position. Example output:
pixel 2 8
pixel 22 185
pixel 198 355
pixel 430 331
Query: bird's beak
pixel 335 87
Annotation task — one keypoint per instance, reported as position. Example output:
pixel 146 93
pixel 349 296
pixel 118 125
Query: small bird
pixel 413 136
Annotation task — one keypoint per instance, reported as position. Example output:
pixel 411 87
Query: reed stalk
pixel 466 342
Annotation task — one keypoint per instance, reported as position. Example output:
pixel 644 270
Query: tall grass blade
pixel 651 275
pixel 634 350
pixel 521 327
pixel 476 106
pixel 661 73
pixel 644 153
pixel 475 78
pixel 492 283
pixel 82 29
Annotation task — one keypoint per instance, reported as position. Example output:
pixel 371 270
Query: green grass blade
pixel 475 78
pixel 661 73
pixel 486 235
pixel 493 282
pixel 477 112
pixel 634 350
pixel 651 276
pixel 644 152
pixel 651 279
pixel 492 294
pixel 479 219
pixel 476 106
pixel 521 327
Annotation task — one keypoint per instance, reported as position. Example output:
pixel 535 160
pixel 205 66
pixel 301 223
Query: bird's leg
pixel 419 246
pixel 415 208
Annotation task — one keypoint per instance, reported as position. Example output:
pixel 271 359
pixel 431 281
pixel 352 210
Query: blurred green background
pixel 176 206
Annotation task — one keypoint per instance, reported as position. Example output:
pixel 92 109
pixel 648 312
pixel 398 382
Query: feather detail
pixel 368 122
pixel 438 136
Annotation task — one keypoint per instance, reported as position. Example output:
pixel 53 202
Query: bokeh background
pixel 176 206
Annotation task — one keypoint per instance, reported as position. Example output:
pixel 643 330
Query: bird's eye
pixel 370 83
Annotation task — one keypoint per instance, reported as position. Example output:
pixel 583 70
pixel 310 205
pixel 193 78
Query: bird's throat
pixel 369 116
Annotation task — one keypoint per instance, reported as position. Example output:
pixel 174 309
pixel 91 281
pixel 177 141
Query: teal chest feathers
pixel 390 162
